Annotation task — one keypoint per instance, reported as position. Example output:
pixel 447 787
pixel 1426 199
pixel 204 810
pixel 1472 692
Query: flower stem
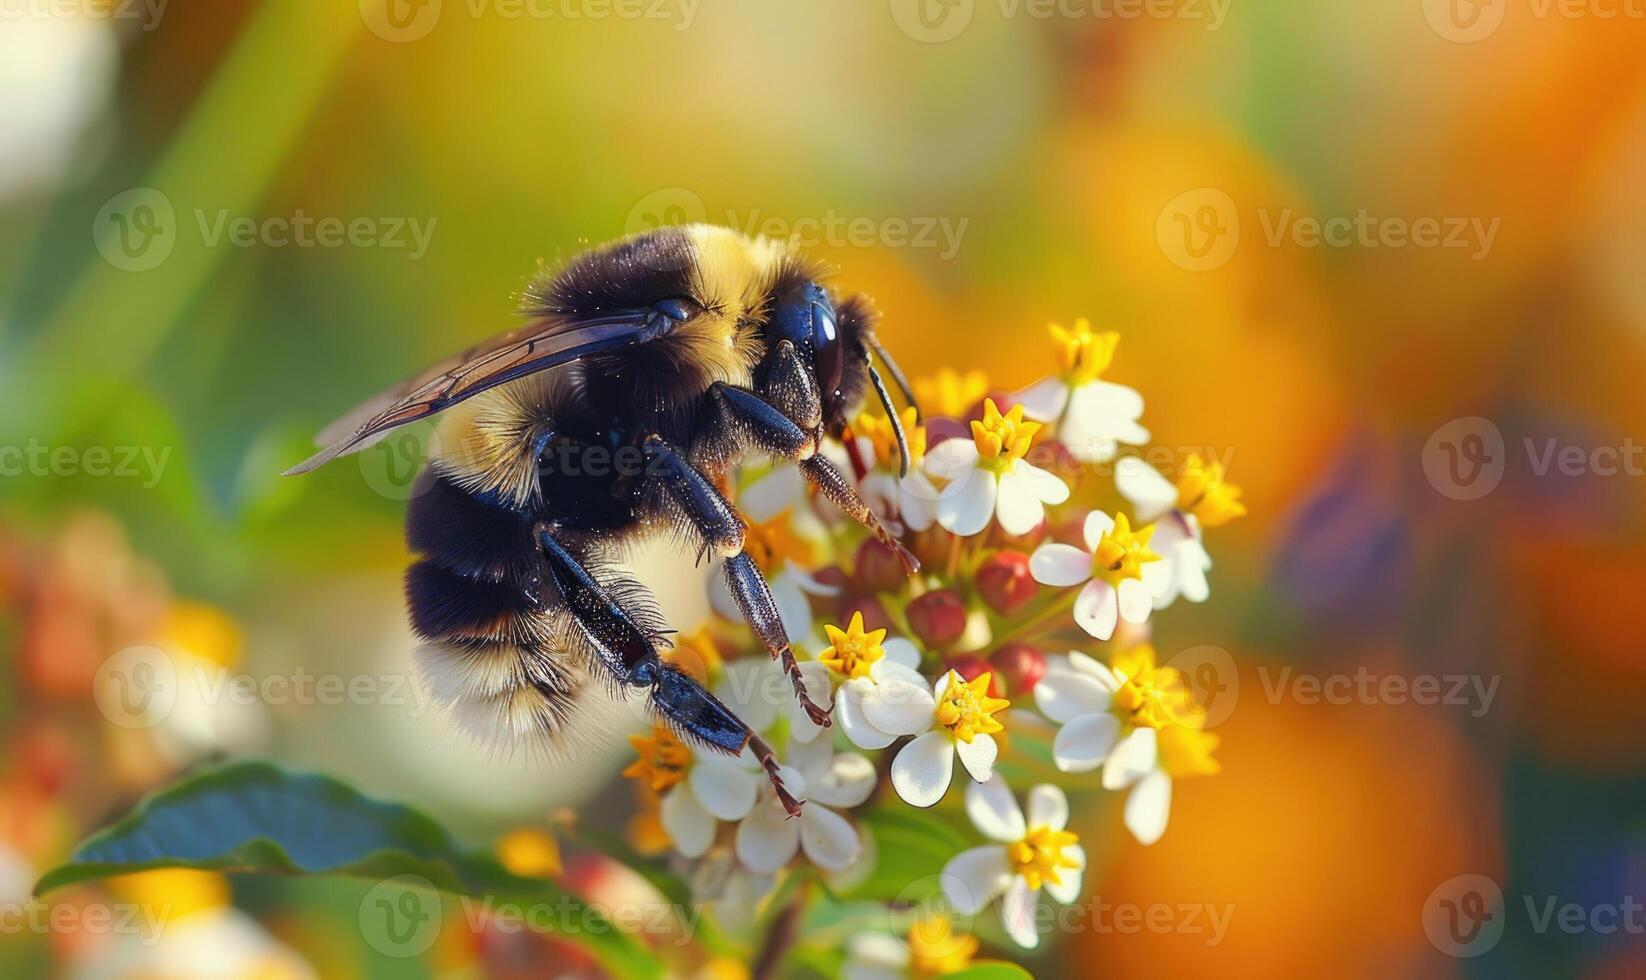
pixel 1041 619
pixel 785 929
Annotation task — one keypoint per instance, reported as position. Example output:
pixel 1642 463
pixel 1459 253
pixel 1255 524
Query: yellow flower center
pixel 966 709
pixel 851 652
pixel 878 430
pixel 773 543
pixel 950 394
pixel 935 950
pixel 1084 355
pixel 1187 752
pixel 1039 856
pixel 664 760
pixel 1122 552
pixel 1202 491
pixel 1003 439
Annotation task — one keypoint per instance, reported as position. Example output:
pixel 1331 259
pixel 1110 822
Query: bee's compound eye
pixel 826 345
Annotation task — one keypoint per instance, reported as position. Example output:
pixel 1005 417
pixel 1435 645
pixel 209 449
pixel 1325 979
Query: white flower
pixel 1031 853
pixel 783 536
pixel 1136 720
pixel 57 74
pixel 1112 566
pixel 734 892
pixel 1178 538
pixel 1093 416
pixel 987 476
pixel 959 720
pixel 875 670
pixel 899 502
pixel 768 838
pixel 698 789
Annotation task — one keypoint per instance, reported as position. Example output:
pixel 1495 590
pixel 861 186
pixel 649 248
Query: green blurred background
pixel 979 167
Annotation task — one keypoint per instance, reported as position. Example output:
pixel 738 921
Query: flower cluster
pixel 1030 619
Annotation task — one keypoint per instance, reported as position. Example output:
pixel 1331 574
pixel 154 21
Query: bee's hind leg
pixel 626 649
pixel 722 529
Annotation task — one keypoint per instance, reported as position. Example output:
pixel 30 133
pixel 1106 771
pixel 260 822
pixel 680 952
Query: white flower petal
pixel 1060 565
pixel 882 671
pixel 1096 525
pixel 967 504
pixel 689 826
pixel 1047 486
pixel 1017 914
pixel 876 950
pixel 1048 807
pixel 846 783
pixel 1150 494
pixel 784 488
pixel 898 707
pixel 792 606
pixel 767 839
pixel 917 501
pixel 899 650
pixel 1067 888
pixel 1044 400
pixel 952 459
pixel 923 769
pixel 723 788
pixel 1017 504
pixel 1110 679
pixel 1133 757
pixel 746 687
pixel 1097 608
pixel 994 811
pixel 848 711
pixel 829 840
pixel 1083 743
pixel 1135 600
pixel 1065 695
pixel 1192 564
pixel 978 756
pixel 975 876
pixel 1148 806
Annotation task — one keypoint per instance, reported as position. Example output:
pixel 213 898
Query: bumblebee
pixel 649 369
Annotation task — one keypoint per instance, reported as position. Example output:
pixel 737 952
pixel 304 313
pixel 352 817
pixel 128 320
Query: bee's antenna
pixel 898 377
pixel 891 414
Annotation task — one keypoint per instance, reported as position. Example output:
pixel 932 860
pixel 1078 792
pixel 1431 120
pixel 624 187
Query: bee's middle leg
pixel 722 529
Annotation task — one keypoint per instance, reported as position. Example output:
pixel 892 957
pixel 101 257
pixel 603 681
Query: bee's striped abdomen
pixel 477 596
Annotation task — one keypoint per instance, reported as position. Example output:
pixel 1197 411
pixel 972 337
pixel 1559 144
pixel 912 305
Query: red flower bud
pixel 833 576
pixel 1005 583
pixel 1020 665
pixel 971 667
pixel 878 569
pixel 938 618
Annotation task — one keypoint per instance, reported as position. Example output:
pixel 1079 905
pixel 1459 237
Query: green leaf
pixel 911 848
pixel 257 817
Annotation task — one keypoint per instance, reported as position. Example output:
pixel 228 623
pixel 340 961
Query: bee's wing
pixel 538 346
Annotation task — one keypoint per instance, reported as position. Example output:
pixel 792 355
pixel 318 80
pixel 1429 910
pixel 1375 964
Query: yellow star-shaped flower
pixel 852 651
